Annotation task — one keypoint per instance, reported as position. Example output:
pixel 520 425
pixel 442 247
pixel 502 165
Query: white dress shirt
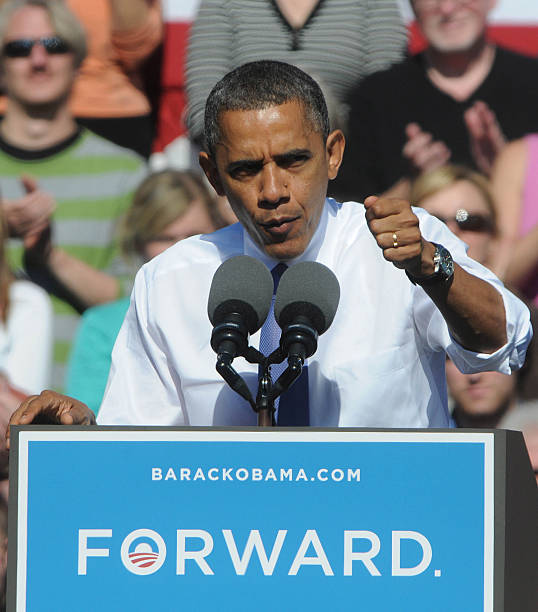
pixel 381 363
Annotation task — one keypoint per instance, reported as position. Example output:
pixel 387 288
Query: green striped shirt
pixel 92 181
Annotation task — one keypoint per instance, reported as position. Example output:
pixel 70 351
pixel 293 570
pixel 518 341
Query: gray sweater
pixel 341 42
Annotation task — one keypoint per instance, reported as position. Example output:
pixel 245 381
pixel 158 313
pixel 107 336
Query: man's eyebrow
pixel 244 164
pixel 255 164
pixel 292 155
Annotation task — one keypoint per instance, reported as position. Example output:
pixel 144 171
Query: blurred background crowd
pixel 101 123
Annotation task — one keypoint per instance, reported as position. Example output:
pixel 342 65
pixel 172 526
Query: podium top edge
pixel 238 429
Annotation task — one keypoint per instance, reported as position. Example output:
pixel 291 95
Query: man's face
pixel 274 168
pixel 40 79
pixel 452 26
pixel 482 394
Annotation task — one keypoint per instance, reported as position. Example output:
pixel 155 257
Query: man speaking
pixel 409 293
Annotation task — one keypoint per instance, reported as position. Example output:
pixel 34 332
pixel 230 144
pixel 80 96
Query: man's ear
pixel 336 143
pixel 210 169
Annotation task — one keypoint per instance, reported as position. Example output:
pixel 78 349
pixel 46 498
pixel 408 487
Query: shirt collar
pixel 309 254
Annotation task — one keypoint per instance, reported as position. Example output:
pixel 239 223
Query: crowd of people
pixel 452 130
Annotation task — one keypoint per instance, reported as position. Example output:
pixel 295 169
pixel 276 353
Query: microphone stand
pixel 268 392
pixel 264 405
pixel 235 381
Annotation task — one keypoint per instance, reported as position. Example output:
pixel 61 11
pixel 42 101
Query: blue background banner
pixel 142 524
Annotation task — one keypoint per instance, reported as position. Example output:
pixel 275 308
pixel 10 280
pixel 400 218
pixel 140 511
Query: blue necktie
pixel 292 406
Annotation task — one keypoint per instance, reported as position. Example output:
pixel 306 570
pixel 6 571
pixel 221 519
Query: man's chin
pixel 44 106
pixel 458 44
pixel 284 250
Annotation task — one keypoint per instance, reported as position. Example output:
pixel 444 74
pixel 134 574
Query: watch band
pixel 443 268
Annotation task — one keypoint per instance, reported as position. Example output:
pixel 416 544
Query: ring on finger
pixel 395 240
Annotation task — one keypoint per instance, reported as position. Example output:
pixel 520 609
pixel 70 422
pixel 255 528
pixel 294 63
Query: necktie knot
pixel 277 273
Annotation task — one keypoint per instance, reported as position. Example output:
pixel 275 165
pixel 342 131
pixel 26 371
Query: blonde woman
pixel 167 207
pixel 462 199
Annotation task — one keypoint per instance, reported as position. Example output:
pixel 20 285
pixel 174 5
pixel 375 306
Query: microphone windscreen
pixel 243 285
pixel 309 289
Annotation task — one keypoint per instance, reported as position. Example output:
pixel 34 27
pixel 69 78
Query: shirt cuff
pixel 507 358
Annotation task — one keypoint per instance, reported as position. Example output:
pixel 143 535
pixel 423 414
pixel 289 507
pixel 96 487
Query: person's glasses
pixel 22 47
pixel 468 222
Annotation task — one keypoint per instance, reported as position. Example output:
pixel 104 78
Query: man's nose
pixel 446 7
pixel 39 54
pixel 474 378
pixel 273 187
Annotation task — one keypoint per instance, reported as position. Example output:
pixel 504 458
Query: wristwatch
pixel 443 268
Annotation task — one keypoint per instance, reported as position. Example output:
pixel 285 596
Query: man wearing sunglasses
pixel 63 188
pixel 458 101
pixel 22 47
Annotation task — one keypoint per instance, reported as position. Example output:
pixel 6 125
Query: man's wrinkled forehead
pixel 241 115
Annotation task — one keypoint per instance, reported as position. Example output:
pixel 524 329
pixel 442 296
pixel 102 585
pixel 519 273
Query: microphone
pixel 305 305
pixel 239 302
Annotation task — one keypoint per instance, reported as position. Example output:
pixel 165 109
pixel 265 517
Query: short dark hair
pixel 261 84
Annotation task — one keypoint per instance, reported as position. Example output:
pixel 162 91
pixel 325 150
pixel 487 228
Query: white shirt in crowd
pixel 381 364
pixel 26 338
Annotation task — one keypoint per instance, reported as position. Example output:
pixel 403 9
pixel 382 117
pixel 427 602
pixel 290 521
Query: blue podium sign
pixel 197 519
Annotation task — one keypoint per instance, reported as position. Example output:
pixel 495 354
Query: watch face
pixel 443 266
pixel 446 264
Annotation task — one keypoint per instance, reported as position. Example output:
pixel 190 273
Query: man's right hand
pixel 30 214
pixel 422 152
pixel 50 408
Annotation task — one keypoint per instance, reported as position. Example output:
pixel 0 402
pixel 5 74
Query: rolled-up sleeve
pixel 509 357
pixel 434 330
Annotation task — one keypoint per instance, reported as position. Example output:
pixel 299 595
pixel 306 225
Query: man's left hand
pixel 396 230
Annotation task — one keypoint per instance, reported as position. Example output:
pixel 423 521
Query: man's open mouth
pixel 281 224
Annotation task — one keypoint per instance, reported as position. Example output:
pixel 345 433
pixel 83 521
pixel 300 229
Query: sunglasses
pixel 468 222
pixel 22 47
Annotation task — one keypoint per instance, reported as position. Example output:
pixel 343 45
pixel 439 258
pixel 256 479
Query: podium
pixel 105 518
